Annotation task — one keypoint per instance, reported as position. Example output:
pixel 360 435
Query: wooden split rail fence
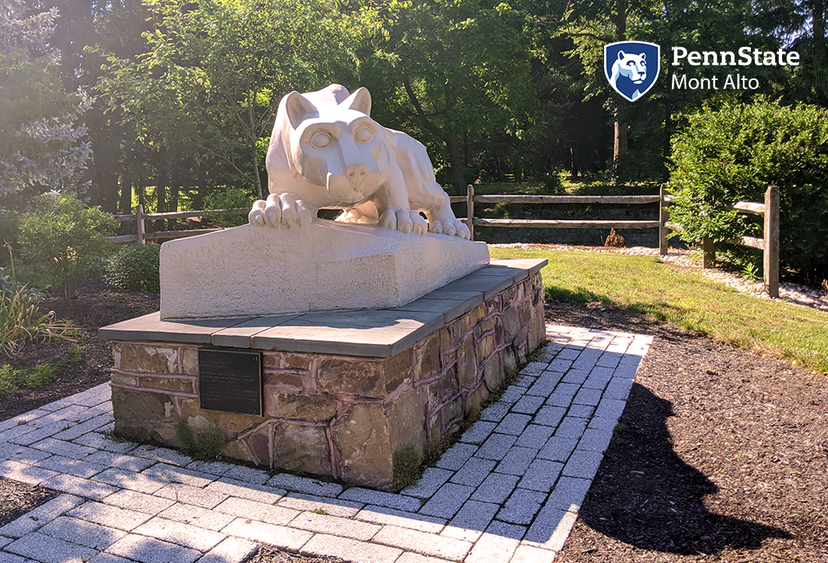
pixel 769 244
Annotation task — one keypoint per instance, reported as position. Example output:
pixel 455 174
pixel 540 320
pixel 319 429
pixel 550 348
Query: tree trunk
pixel 619 149
pixel 160 194
pixel 173 204
pixel 161 180
pixel 573 168
pixel 458 169
pixel 619 146
pixel 818 13
pixel 141 188
pixel 125 205
pixel 252 115
pixel 619 141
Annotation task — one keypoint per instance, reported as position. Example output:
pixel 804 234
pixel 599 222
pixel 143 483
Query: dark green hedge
pixel 734 153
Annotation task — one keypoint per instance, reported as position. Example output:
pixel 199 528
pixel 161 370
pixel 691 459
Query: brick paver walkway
pixel 508 491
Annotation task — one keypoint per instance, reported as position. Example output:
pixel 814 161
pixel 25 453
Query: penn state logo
pixel 631 67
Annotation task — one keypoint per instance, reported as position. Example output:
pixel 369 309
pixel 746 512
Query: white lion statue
pixel 326 151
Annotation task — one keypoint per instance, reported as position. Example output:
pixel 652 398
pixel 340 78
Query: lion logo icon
pixel 631 67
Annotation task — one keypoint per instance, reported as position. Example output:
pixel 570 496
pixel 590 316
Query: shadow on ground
pixel 646 496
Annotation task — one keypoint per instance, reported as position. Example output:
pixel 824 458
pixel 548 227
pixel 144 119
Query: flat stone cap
pixel 375 333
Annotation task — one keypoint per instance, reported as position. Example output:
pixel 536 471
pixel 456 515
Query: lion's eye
pixel 363 135
pixel 321 140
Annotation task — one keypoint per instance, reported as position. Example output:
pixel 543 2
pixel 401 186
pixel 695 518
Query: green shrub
pixel 19 319
pixel 135 268
pixel 552 184
pixel 64 238
pixel 228 198
pixel 733 154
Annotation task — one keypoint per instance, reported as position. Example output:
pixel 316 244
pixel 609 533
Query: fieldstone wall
pixel 342 416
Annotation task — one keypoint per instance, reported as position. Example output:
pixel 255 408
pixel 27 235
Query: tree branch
pixel 585 34
pixel 420 113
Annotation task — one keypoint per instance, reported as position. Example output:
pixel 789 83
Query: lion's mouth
pixel 353 188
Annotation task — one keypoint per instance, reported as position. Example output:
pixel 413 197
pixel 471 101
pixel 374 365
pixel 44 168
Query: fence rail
pixel 140 218
pixel 471 199
pixel 769 244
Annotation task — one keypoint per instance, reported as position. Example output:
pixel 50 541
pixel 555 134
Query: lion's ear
pixel 621 55
pixel 298 108
pixel 360 101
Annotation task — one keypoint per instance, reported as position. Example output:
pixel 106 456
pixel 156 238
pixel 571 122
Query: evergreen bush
pixel 734 153
pixel 135 268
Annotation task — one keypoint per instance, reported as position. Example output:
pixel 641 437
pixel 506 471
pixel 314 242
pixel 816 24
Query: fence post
pixel 140 227
pixel 470 210
pixel 663 217
pixel 709 251
pixel 771 236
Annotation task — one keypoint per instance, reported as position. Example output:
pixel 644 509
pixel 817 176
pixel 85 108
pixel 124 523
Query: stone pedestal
pixel 343 391
pixel 324 266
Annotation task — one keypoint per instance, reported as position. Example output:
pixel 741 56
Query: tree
pixel 212 74
pixel 799 25
pixel 42 146
pixel 459 71
pixel 718 25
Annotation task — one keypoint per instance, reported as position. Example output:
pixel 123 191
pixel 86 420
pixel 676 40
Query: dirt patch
pixel 19 498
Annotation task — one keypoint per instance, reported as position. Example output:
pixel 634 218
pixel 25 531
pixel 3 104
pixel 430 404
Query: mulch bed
pixel 94 306
pixel 722 455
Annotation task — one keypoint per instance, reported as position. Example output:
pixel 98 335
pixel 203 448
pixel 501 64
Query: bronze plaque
pixel 230 381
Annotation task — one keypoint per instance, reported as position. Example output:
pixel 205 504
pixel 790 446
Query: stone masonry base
pixel 340 415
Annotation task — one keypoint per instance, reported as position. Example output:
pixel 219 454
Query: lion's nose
pixel 356 174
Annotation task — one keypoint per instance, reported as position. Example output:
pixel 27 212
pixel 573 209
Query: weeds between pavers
pixel 203 447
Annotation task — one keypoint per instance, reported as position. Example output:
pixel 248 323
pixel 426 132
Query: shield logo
pixel 632 67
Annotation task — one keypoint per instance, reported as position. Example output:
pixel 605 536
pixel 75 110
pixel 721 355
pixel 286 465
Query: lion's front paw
pixel 398 219
pixel 279 209
pixel 450 227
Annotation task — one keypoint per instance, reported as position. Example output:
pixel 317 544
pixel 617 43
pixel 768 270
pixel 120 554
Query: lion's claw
pixel 451 227
pixel 279 210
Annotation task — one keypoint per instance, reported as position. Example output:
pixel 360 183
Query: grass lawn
pixel 647 285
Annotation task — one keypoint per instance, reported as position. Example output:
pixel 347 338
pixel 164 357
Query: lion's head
pixel 332 143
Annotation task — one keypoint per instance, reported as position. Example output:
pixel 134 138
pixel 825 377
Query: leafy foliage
pixel 19 318
pixel 135 268
pixel 734 153
pixel 64 238
pixel 228 198
pixel 212 74
pixel 13 379
pixel 462 68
